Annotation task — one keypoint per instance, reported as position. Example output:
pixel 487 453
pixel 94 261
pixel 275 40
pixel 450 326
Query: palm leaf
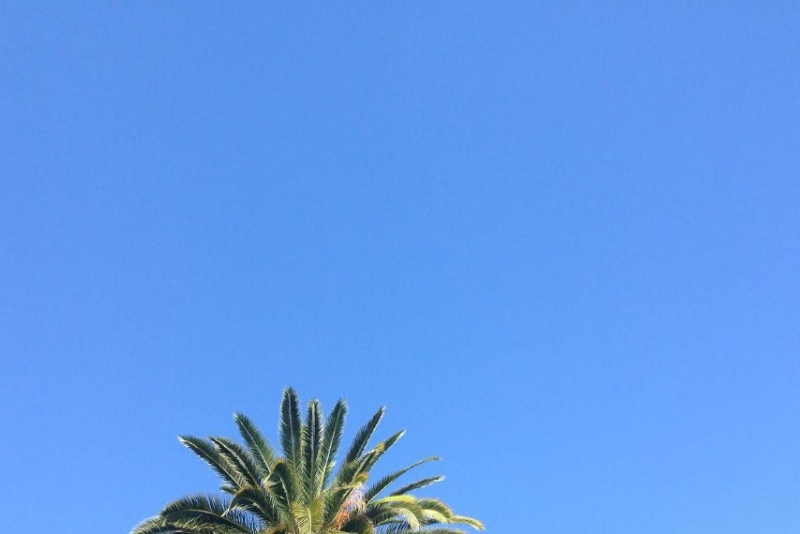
pixel 311 443
pixel 464 520
pixel 258 501
pixel 379 486
pixel 239 459
pixel 382 447
pixel 418 484
pixel 156 525
pixel 363 435
pixel 334 427
pixel 214 459
pixel 207 513
pixel 262 451
pixel 282 487
pixel 290 426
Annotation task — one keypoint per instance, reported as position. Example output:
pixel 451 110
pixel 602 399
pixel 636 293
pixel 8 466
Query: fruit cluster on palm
pixel 298 492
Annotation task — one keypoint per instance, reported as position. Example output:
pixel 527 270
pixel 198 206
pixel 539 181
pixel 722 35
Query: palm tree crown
pixel 298 492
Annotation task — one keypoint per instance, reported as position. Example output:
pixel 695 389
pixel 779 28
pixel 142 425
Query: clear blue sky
pixel 559 241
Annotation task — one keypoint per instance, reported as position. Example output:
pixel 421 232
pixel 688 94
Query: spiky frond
pixel 258 502
pixel 464 520
pixel 209 453
pixel 291 426
pixel 262 452
pixel 312 435
pixel 203 513
pixel 282 486
pixel 379 486
pixel 239 459
pixel 419 484
pixel 363 435
pixel 334 427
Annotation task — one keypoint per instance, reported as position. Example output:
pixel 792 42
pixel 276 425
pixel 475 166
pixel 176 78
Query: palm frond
pixel 363 435
pixel 334 427
pixel 464 520
pixel 258 501
pixel 156 525
pixel 290 426
pixel 383 447
pixel 418 484
pixel 379 486
pixel 239 459
pixel 282 487
pixel 308 517
pixel 263 453
pixel 207 512
pixel 218 463
pixel 311 443
pixel 438 507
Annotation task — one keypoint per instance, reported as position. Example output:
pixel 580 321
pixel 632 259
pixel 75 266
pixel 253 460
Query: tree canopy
pixel 299 489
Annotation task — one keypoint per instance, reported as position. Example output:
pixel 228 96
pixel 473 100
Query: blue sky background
pixel 558 240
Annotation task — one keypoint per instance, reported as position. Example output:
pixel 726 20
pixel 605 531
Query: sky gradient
pixel 559 242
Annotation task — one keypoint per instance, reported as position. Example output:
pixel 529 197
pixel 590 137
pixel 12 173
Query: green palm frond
pixel 418 485
pixel 156 525
pixel 464 520
pixel 290 426
pixel 381 449
pixel 379 486
pixel 207 512
pixel 282 486
pixel 308 518
pixel 262 452
pixel 206 450
pixel 312 435
pixel 258 502
pixel 363 435
pixel 239 459
pixel 334 427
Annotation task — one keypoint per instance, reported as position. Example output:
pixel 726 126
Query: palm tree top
pixel 299 490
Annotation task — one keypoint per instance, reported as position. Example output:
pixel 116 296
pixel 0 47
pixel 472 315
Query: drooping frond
pixel 334 427
pixel 209 453
pixel 464 520
pixel 363 435
pixel 201 513
pixel 258 502
pixel 156 525
pixel 379 486
pixel 435 511
pixel 239 459
pixel 290 426
pixel 262 452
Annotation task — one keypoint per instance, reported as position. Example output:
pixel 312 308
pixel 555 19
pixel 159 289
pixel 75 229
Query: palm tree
pixel 298 492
